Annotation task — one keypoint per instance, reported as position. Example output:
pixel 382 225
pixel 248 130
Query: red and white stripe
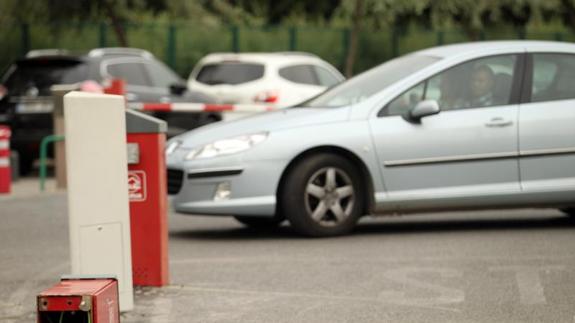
pixel 199 107
pixel 5 134
pixel 5 171
pixel 117 86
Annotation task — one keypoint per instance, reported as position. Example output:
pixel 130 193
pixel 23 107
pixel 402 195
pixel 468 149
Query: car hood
pixel 268 121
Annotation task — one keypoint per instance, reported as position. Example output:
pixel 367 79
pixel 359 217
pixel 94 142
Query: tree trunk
pixel 568 14
pixel 352 49
pixel 116 23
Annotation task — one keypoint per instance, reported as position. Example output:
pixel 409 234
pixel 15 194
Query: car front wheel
pixel 323 196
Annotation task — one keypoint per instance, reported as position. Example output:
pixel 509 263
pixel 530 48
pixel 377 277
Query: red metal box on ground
pixel 86 300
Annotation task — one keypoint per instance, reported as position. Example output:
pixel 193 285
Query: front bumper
pixel 253 186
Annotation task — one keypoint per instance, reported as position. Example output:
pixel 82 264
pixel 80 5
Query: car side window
pixel 325 77
pixel 162 76
pixel 406 101
pixel 231 73
pixel 553 77
pixel 132 72
pixel 302 74
pixel 479 83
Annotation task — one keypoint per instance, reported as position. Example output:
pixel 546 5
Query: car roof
pixel 96 53
pixel 261 57
pixel 464 48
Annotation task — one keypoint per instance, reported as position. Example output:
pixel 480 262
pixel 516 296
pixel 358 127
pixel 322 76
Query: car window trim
pixel 514 97
pixel 315 71
pixel 425 85
pixel 527 82
pixel 518 80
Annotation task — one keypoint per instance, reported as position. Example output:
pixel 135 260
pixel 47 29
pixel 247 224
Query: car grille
pixel 175 180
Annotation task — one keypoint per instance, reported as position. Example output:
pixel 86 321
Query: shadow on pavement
pixel 405 225
pixel 241 233
pixel 459 225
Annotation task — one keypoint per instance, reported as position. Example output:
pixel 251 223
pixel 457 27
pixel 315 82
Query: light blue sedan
pixel 467 126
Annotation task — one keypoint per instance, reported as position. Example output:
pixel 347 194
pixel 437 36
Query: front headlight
pixel 227 146
pixel 172 146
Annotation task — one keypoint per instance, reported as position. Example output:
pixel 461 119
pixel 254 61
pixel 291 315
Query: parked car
pixel 276 79
pixel 26 104
pixel 468 126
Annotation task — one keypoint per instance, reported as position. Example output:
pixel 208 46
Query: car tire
pixel 323 196
pixel 258 222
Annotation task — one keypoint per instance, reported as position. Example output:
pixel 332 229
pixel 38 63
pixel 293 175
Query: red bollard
pixel 148 199
pixel 80 300
pixel 5 171
pixel 117 86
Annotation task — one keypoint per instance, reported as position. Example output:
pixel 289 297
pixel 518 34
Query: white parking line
pixel 529 284
pixel 192 289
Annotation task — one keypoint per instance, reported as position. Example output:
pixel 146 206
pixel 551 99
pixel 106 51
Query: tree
pixel 117 12
pixel 111 10
pixel 356 26
pixel 276 12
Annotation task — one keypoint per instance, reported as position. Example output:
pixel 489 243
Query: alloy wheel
pixel 329 196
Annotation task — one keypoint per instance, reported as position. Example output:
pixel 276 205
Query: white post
pixel 97 174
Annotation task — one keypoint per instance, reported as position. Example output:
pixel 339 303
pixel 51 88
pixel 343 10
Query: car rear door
pixel 547 126
pixel 464 156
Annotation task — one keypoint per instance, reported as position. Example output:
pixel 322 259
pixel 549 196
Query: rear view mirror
pixel 178 88
pixel 423 109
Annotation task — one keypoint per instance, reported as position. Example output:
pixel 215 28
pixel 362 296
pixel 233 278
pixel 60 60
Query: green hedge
pixel 181 45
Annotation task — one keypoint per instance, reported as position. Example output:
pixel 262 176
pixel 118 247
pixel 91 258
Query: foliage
pixel 470 15
pixel 395 23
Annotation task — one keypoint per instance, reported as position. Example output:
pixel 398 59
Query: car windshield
pixel 230 73
pixel 42 74
pixel 370 82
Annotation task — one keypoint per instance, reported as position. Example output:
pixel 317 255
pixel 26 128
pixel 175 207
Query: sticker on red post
pixel 137 185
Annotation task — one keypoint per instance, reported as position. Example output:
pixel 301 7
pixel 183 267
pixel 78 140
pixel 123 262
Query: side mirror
pixel 178 88
pixel 423 109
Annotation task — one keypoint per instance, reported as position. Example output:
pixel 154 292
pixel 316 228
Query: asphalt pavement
pixel 496 266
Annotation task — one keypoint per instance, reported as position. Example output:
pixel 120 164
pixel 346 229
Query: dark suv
pixel 27 105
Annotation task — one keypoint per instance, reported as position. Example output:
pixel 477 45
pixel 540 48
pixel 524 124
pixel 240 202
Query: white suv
pixel 279 79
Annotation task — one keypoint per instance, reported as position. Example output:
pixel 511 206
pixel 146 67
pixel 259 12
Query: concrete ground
pixel 497 266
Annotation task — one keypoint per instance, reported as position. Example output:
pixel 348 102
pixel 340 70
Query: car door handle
pixel 498 123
